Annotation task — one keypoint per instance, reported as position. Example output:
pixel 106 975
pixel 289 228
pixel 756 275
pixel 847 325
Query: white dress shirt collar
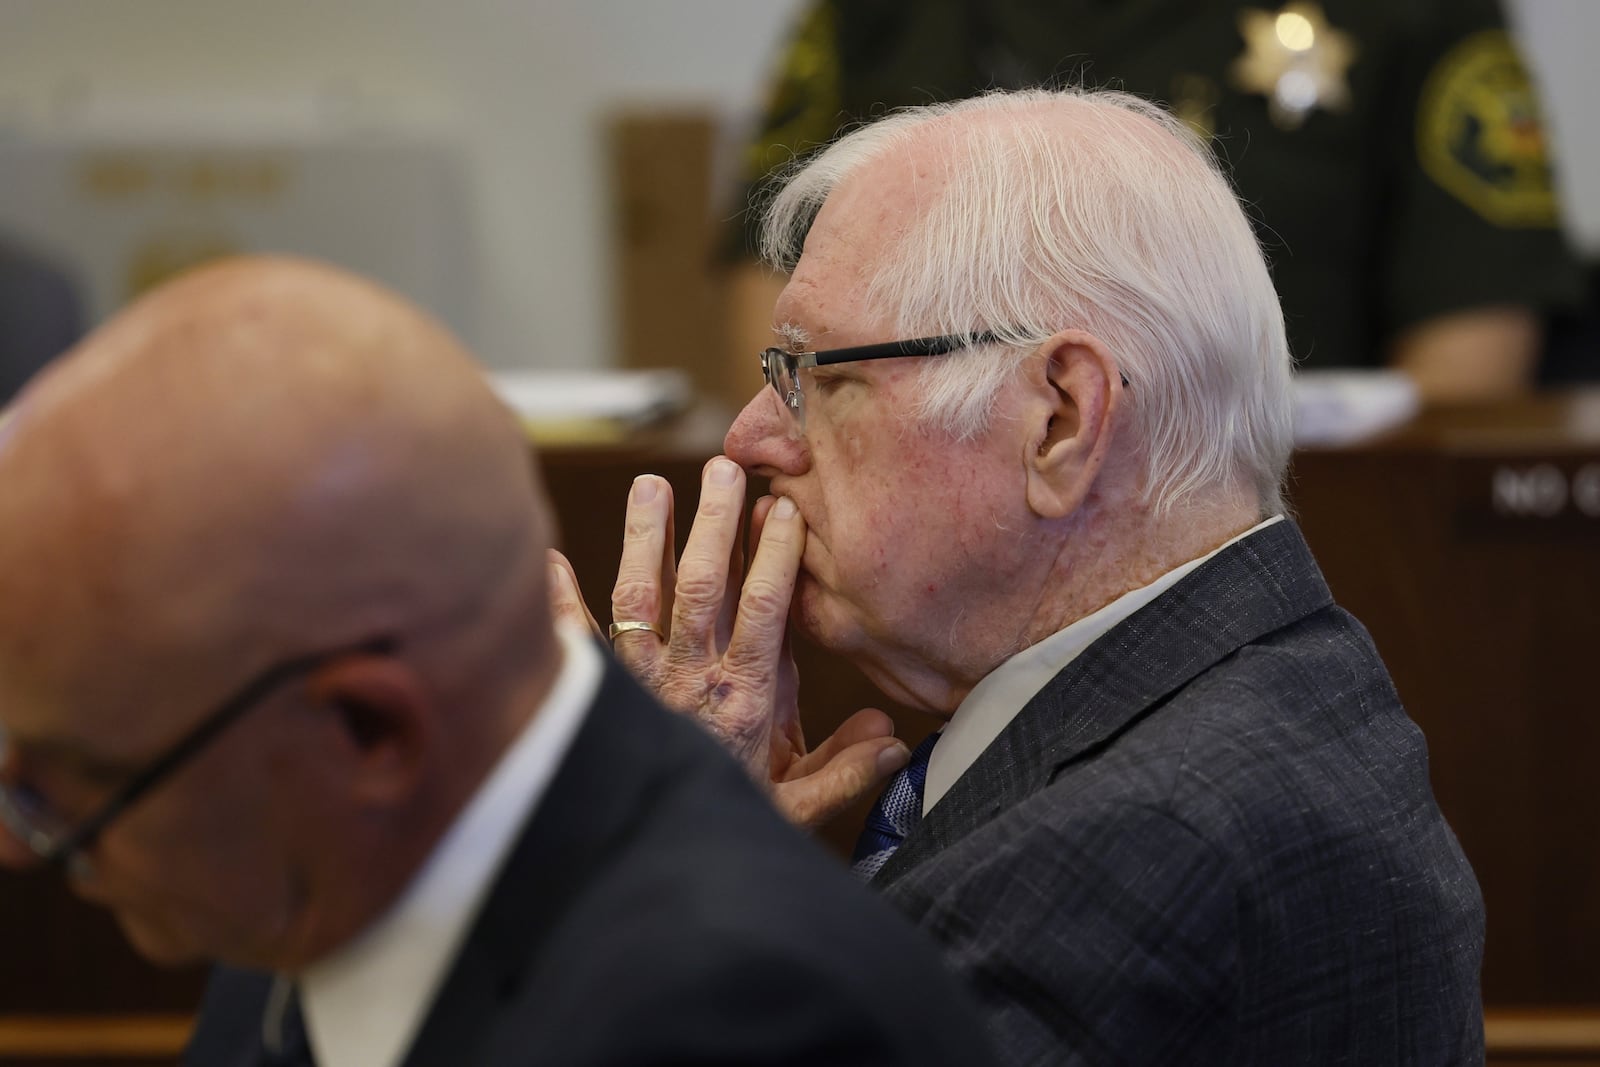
pixel 364 1004
pixel 1004 691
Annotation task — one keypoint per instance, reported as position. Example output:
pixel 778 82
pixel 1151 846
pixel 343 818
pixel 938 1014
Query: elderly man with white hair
pixel 1027 430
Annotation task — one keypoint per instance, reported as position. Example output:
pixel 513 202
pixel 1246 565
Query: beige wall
pixel 522 83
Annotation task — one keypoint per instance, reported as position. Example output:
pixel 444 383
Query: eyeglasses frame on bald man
pixel 61 847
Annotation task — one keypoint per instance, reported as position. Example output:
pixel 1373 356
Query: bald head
pixel 266 460
pixel 262 457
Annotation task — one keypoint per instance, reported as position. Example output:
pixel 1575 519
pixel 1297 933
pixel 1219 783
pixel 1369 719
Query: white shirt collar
pixel 1004 691
pixel 364 1004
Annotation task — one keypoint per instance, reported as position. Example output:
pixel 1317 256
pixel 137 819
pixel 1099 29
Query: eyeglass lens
pixel 782 372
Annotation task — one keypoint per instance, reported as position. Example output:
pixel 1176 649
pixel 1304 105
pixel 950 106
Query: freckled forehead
pixel 861 219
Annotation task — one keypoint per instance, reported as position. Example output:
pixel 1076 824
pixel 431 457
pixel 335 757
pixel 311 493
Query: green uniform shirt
pixel 1414 182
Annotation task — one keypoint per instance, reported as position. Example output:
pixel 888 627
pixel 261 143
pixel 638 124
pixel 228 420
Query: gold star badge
pixel 1296 60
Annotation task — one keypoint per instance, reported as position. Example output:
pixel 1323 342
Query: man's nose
pixel 765 439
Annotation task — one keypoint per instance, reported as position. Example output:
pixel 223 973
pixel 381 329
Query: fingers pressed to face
pixel 758 636
pixel 758 519
pixel 565 597
pixel 729 611
pixel 645 576
pixel 669 560
pixel 703 573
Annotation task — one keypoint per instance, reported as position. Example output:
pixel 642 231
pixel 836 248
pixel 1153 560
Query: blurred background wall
pixel 521 85
pixel 519 93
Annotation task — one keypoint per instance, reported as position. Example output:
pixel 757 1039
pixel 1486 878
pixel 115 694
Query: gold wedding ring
pixel 630 626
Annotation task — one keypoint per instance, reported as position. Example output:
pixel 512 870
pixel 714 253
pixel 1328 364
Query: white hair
pixel 1084 209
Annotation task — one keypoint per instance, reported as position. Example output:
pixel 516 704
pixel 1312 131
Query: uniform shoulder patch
pixel 1479 135
pixel 804 104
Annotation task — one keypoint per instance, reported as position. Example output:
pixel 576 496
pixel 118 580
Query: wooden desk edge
pixel 1542 1030
pixel 68 1036
pixel 1506 1030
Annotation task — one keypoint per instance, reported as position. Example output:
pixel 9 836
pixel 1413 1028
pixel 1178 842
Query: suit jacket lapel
pixel 597 799
pixel 1258 585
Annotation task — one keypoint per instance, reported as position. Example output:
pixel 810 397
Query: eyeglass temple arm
pixel 920 346
pixel 186 746
pixel 180 753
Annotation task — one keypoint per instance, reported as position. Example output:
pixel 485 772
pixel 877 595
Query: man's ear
pixel 386 723
pixel 1076 392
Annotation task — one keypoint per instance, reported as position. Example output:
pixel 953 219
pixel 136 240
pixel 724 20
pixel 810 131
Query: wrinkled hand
pixel 726 658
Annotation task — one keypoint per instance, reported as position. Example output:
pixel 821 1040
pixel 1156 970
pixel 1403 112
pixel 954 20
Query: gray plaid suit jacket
pixel 1210 840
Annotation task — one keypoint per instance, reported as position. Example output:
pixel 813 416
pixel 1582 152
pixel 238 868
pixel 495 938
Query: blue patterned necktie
pixel 895 815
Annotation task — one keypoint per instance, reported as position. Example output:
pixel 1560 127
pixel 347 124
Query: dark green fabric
pixel 1363 241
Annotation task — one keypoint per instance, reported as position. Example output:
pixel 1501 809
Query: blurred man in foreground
pixel 280 687
pixel 1027 429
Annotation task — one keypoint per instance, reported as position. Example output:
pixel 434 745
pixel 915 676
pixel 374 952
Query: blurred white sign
pixel 590 407
pixel 1341 407
pixel 122 209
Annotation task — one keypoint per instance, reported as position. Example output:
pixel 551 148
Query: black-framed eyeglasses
pixel 782 367
pixel 53 838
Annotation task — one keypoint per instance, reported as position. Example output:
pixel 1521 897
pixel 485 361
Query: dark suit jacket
pixel 1210 840
pixel 657 911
